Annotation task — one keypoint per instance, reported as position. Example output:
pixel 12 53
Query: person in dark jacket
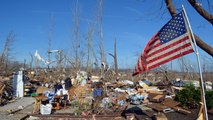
pixel 57 87
pixel 68 83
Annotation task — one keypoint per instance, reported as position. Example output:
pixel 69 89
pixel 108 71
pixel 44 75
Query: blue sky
pixel 133 22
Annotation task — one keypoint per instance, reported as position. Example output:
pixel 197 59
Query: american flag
pixel 171 42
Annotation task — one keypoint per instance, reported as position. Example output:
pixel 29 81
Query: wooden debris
pixel 181 110
pixel 156 97
pixel 150 89
pixel 1 92
pixel 41 90
pixel 145 101
pixel 157 106
pixel 6 91
pixel 71 93
pixel 170 103
pixel 160 116
pixel 156 92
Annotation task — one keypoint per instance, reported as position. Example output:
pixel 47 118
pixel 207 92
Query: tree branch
pixel 170 7
pixel 201 11
pixel 208 49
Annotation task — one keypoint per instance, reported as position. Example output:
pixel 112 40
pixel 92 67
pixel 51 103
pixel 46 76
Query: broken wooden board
pixel 181 110
pixel 156 97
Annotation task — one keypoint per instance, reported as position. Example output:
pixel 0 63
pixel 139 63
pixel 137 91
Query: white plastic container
pixel 45 109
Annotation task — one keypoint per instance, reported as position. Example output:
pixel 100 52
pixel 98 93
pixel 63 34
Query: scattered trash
pixel 89 95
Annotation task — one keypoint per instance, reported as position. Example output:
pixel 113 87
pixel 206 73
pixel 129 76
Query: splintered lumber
pixel 181 110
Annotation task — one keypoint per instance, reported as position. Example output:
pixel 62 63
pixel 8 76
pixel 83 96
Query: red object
pixel 171 42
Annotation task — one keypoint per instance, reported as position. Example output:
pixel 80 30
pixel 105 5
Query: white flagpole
pixel 199 66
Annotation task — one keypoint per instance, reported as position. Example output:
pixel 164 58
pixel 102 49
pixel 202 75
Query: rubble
pixel 6 93
pixel 86 98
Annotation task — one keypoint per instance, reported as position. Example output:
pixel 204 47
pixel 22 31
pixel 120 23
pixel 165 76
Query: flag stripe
pixel 170 56
pixel 139 66
pixel 170 50
pixel 186 46
pixel 155 44
pixel 165 61
pixel 167 44
pixel 173 44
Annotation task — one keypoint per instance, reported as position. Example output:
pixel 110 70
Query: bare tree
pixel 6 53
pixel 82 55
pixel 50 34
pixel 115 60
pixel 31 61
pixel 90 51
pixel 101 36
pixel 76 21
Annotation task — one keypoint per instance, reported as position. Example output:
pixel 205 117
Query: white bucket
pixel 45 109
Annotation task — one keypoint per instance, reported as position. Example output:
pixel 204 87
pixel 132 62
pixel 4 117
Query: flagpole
pixel 199 66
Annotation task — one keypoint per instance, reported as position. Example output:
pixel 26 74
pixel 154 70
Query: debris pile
pixel 92 95
pixel 6 91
